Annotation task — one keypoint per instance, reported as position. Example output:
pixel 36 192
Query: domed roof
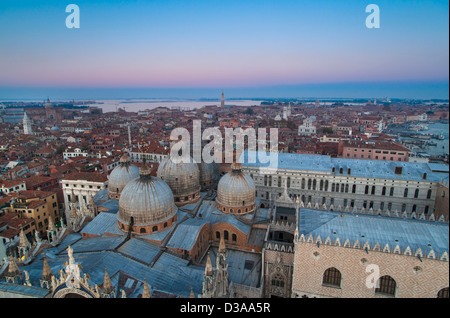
pixel 236 190
pixel 182 178
pixel 207 172
pixel 147 199
pixel 122 174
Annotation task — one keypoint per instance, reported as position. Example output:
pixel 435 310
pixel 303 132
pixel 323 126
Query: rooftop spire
pixel 146 292
pixel 222 244
pixel 125 159
pixel 13 269
pixel 23 241
pixel 73 212
pixel 51 225
pixel 46 271
pixel 107 287
pixel 208 267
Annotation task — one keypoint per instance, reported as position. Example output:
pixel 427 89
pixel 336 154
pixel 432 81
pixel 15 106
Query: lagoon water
pixel 135 105
pixel 442 145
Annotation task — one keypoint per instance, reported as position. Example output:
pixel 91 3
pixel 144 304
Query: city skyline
pixel 251 49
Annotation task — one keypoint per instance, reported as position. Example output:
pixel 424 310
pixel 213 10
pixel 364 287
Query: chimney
pixel 398 170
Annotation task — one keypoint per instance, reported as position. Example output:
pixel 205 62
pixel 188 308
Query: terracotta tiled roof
pixel 88 176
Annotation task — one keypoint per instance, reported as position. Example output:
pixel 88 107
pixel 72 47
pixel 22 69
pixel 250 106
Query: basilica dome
pixel 146 204
pixel 121 175
pixel 182 178
pixel 207 173
pixel 236 192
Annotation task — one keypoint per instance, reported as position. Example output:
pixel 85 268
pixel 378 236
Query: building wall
pixel 40 213
pixel 82 189
pixel 241 238
pixel 442 201
pixel 278 265
pixel 375 154
pixel 309 269
pixel 272 186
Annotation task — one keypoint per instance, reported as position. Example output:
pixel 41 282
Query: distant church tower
pixel 27 125
pixel 222 101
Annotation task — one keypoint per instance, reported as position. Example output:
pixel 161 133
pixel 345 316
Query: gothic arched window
pixel 443 293
pixel 387 286
pixel 332 277
pixel 277 280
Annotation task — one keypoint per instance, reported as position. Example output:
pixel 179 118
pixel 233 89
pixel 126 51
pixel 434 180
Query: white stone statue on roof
pixel 27 278
pixel 38 239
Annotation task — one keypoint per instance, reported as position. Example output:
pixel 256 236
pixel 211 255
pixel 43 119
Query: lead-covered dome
pixel 121 175
pixel 146 204
pixel 207 173
pixel 236 192
pixel 182 178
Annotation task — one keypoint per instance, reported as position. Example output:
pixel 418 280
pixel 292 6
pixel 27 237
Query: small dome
pixel 207 173
pixel 145 202
pixel 54 128
pixel 121 176
pixel 236 192
pixel 182 178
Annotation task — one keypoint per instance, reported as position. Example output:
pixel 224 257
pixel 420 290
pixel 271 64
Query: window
pixel 225 235
pixel 405 193
pixel 373 190
pixel 429 194
pixel 217 235
pixel 277 280
pixel 387 286
pixel 416 193
pixel 391 192
pixel 443 293
pixel 366 190
pixel 332 277
pixel 234 237
pixel 354 188
pixel 383 191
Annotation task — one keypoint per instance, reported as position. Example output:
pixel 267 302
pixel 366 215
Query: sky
pixel 248 48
